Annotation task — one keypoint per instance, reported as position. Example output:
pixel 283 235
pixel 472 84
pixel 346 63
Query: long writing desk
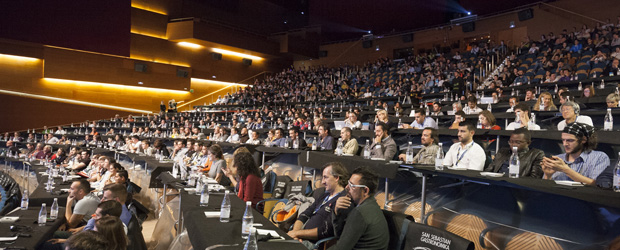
pixel 591 194
pixel 206 232
pixel 27 223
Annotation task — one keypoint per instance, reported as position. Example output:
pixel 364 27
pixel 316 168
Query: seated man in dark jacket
pixel 529 158
pixel 316 222
pixel 365 226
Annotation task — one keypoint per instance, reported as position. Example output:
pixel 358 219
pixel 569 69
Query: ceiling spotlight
pixel 468 13
pixel 302 13
pixel 370 31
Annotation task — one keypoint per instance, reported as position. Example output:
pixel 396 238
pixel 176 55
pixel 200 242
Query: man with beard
pixel 428 153
pixel 580 163
pixel 365 226
pixel 466 153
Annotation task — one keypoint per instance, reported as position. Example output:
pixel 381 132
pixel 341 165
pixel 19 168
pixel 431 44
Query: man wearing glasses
pixel 365 226
pixel 530 158
pixel 315 223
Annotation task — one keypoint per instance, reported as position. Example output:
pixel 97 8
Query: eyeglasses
pixel 352 186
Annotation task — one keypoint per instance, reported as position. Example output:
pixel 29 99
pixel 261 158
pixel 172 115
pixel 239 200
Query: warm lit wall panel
pixel 81 66
pixel 148 23
pixel 156 6
pixel 229 69
pixel 212 33
pixel 20 113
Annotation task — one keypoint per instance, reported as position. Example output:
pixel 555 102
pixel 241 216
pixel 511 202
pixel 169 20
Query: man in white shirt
pixel 513 101
pixel 234 136
pixel 471 108
pixel 60 131
pixel 135 146
pixel 522 113
pixel 421 121
pixel 254 140
pixel 51 139
pixel 570 112
pixel 352 121
pixel 466 153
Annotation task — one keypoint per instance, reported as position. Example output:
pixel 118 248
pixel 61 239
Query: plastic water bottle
pixel 250 244
pixel 54 210
pixel 286 145
pixel 225 208
pixel 428 111
pixel 199 186
pixel 204 195
pixel 42 215
pixel 479 125
pixel 367 150
pixel 532 122
pixel 609 121
pixel 556 88
pixel 248 220
pixel 25 200
pixel 617 176
pixel 513 167
pixel 541 106
pixel 602 84
pixel 579 87
pixel 409 155
pixel 439 158
pixel 489 107
pixel 296 144
pixel 339 147
pixel 175 170
pixel 400 123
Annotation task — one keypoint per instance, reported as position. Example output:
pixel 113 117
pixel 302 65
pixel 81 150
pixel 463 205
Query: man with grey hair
pixel 570 112
pixel 315 223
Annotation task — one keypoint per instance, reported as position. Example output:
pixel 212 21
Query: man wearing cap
pixel 580 163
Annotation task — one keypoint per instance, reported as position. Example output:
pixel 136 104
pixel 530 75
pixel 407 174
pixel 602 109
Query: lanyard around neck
pixel 459 158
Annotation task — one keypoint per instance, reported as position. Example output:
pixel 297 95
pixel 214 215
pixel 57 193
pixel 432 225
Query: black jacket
pixel 530 162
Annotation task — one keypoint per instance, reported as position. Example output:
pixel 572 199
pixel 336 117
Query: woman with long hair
pixel 546 100
pixel 112 229
pixel 588 91
pixel 216 156
pixel 248 175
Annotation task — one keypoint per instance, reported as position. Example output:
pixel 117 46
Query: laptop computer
pixel 338 125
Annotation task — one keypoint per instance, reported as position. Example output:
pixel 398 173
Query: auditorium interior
pixel 204 81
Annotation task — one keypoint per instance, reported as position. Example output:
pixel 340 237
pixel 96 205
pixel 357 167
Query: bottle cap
pixel 248 203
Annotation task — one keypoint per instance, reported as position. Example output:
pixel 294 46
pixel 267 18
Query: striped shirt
pixel 589 164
